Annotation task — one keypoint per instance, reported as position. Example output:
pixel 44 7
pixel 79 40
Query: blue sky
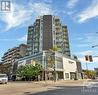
pixel 81 17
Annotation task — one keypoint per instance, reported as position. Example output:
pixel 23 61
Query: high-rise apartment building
pixel 46 33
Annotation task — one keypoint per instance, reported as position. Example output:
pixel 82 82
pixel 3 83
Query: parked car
pixel 3 78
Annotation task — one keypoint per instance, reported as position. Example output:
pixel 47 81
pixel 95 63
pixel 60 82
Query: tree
pixel 54 49
pixel 90 73
pixel 5 68
pixel 29 71
pixel 52 61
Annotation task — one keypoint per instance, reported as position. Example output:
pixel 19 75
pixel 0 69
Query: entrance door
pixel 72 75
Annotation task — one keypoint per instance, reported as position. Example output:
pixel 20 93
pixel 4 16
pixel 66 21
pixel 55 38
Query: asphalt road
pixel 50 88
pixel 65 90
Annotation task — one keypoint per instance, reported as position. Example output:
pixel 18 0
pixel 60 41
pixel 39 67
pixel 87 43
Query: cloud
pixel 42 8
pixel 91 39
pixel 21 15
pixel 72 3
pixel 16 17
pixel 86 40
pixel 82 59
pixel 90 12
pixel 23 39
pixel 87 52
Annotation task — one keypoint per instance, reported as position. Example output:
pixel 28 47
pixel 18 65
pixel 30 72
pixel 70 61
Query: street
pixel 50 88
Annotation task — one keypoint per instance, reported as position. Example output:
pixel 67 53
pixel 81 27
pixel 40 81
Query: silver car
pixel 3 78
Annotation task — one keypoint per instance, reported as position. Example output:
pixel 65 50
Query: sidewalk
pixel 21 87
pixel 61 82
pixel 48 83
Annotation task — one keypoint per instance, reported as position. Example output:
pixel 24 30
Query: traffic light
pixel 90 58
pixel 86 58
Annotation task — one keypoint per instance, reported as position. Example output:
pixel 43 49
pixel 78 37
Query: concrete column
pixel 56 76
pixel 64 75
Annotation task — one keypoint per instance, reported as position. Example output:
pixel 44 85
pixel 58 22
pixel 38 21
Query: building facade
pixel 46 33
pixel 96 70
pixel 13 54
pixel 65 67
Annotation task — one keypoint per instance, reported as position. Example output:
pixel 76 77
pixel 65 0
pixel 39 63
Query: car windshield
pixel 3 76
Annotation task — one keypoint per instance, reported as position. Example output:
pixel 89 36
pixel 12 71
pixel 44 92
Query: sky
pixel 80 16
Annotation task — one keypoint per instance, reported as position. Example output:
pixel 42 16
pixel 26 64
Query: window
pixel 28 61
pixel 70 62
pixel 67 75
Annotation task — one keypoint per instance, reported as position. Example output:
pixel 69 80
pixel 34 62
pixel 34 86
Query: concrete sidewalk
pixel 61 82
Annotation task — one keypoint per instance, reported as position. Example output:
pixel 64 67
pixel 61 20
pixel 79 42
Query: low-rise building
pixel 12 55
pixel 0 62
pixel 15 53
pixel 96 70
pixel 65 67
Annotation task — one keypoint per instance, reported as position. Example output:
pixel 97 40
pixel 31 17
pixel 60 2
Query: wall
pixel 69 66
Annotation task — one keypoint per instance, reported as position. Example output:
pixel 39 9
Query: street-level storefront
pixel 54 64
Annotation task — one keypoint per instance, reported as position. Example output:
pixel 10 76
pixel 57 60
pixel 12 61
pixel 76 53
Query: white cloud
pixel 16 17
pixel 87 40
pixel 72 3
pixel 23 39
pixel 21 15
pixel 82 59
pixel 42 8
pixel 87 52
pixel 91 39
pixel 90 12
